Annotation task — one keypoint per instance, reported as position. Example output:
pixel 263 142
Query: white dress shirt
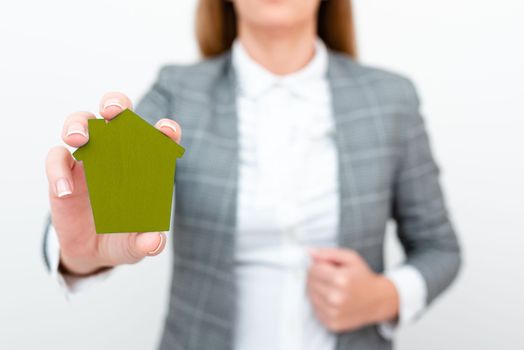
pixel 287 201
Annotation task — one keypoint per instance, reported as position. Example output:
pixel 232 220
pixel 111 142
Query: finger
pixel 340 256
pixel 328 316
pixel 170 128
pixel 323 272
pixel 322 309
pixel 117 249
pixel 148 244
pixel 75 131
pixel 59 163
pixel 113 103
pixel 319 288
pixel 334 297
pixel 331 295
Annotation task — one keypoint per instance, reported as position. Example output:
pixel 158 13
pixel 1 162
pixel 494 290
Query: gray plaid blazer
pixel 386 172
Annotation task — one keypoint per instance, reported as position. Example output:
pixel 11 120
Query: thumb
pixel 118 249
pixel 336 256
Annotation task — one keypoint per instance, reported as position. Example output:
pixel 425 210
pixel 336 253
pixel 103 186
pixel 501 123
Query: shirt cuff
pixel 412 292
pixel 68 284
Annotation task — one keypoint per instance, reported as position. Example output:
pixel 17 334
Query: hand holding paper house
pixel 130 169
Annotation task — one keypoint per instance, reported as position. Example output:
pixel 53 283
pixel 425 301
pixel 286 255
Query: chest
pixel 287 192
pixel 355 152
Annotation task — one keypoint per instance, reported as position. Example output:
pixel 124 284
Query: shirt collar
pixel 253 79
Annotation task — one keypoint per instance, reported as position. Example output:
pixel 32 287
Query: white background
pixel 466 57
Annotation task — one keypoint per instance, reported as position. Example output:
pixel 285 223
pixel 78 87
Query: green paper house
pixel 130 169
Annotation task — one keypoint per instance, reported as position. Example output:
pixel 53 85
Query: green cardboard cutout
pixel 130 169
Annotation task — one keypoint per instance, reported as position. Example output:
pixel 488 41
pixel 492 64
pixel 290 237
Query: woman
pixel 297 157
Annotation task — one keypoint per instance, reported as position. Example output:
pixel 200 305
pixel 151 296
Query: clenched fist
pixel 345 293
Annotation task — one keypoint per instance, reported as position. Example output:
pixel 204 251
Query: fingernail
pixel 167 125
pixel 63 188
pixel 162 237
pixel 76 128
pixel 113 102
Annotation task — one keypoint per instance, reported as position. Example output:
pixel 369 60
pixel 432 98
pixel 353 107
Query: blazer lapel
pixel 346 98
pixel 206 203
pixel 224 124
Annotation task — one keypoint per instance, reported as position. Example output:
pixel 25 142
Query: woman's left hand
pixel 346 294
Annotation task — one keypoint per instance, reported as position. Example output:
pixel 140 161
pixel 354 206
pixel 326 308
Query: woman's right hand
pixel 82 250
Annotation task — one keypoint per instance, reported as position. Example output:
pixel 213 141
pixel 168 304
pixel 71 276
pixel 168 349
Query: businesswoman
pixel 297 156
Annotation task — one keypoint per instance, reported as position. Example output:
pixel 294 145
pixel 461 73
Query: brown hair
pixel 216 26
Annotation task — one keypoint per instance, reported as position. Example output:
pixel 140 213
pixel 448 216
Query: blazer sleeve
pixel 156 103
pixel 423 225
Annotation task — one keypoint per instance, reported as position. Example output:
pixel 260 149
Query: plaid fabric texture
pixel 386 172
